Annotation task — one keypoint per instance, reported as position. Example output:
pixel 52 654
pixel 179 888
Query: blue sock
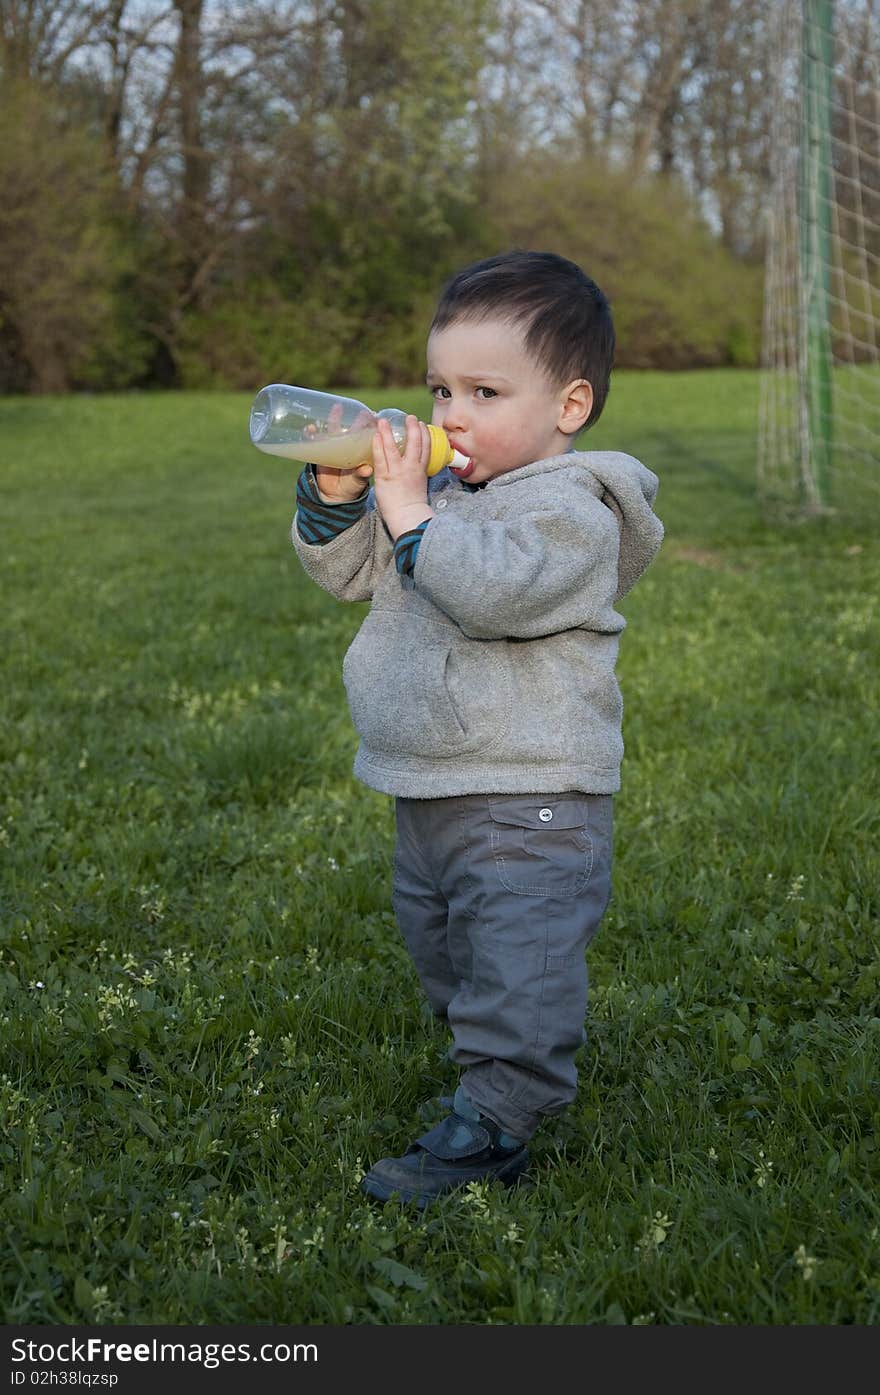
pixel 462 1105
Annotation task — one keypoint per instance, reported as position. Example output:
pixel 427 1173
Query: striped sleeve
pixel 317 522
pixel 406 549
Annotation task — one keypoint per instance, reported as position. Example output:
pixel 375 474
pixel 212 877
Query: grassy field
pixel 208 1024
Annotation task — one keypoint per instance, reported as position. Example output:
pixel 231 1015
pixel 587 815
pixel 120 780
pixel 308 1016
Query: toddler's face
pixel 493 400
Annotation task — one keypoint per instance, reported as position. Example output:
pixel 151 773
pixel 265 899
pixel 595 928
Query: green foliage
pixel 253 336
pixel 210 1024
pixel 679 298
pixel 63 321
pixel 372 203
pixel 303 226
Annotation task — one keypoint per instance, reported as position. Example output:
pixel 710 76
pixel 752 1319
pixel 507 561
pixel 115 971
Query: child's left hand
pixel 400 482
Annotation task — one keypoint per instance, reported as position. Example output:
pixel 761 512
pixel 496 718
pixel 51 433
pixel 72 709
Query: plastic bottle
pixel 302 424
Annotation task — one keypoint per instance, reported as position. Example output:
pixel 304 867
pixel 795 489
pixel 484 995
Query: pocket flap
pixel 540 811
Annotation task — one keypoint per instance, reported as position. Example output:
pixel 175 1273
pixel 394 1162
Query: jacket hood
pixel 629 489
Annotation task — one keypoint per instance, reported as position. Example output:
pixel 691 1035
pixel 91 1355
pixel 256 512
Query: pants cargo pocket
pixel 541 844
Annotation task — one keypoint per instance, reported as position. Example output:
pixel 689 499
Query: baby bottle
pixel 302 424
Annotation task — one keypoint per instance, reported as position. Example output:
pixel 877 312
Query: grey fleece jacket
pixel 492 669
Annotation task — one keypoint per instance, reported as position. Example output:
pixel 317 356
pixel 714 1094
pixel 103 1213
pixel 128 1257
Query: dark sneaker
pixel 456 1151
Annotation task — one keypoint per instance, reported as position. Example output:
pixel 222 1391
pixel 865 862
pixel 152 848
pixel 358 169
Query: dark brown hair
pixel 565 317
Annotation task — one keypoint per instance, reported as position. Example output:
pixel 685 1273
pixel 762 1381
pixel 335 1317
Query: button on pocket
pixel 540 856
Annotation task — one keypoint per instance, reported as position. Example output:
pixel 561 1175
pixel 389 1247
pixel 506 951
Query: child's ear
pixel 576 405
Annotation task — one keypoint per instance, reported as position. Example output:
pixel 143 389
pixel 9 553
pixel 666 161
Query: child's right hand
pixel 341 486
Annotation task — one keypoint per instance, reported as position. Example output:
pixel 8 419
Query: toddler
pixel 482 686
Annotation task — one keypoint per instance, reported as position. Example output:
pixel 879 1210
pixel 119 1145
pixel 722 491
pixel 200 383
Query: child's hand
pixel 401 481
pixel 341 486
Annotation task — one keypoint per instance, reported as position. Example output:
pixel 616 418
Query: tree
pixel 291 179
pixel 39 37
pixel 59 254
pixel 359 185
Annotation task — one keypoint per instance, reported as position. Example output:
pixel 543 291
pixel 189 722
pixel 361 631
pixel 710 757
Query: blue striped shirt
pixel 319 523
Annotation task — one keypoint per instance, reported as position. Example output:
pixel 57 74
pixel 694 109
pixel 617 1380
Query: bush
pixel 253 335
pixel 62 322
pixel 680 300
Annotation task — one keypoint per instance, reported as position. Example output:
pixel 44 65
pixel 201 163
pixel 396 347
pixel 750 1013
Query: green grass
pixel 209 1024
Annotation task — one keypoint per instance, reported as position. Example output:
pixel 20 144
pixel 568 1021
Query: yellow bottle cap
pixel 441 451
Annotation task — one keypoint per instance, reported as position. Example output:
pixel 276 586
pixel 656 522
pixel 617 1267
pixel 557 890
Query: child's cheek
pixel 504 444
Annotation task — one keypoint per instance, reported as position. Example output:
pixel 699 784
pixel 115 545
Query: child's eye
pixel 488 392
pixel 441 393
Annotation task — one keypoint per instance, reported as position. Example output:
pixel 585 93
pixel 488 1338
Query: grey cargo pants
pixel 497 898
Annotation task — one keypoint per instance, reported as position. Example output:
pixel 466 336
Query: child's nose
pixel 454 417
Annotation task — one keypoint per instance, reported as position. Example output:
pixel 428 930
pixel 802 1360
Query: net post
pixel 815 195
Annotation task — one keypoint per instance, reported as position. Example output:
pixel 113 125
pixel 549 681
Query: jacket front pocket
pixel 419 688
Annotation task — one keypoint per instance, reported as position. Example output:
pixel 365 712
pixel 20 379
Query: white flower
pixel 657 1228
pixel 763 1169
pixel 806 1263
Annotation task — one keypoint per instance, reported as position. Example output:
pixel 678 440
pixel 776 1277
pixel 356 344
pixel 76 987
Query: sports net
pixel 819 424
